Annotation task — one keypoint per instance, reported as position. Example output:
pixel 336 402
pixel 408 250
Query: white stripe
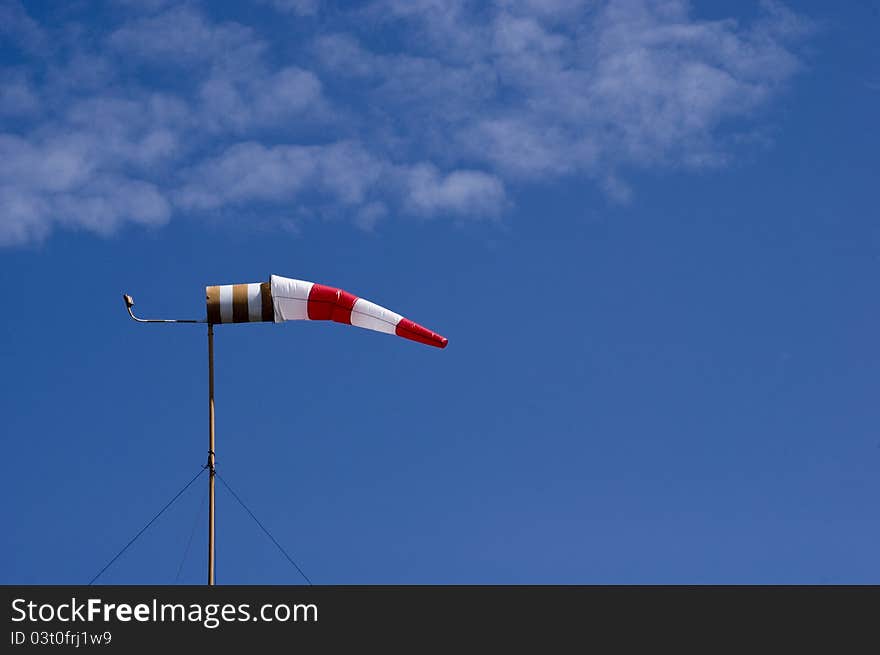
pixel 290 298
pixel 255 303
pixel 369 315
pixel 226 303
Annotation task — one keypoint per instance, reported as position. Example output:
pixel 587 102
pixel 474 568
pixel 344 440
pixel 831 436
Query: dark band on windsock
pixel 239 303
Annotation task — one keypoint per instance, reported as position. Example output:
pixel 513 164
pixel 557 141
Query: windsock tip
pixel 411 330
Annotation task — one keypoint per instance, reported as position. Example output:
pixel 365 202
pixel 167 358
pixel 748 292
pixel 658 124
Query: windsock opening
pixel 239 303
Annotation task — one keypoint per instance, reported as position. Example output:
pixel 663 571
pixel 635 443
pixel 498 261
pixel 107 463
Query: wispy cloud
pixel 185 36
pixel 460 192
pixel 19 28
pixel 252 172
pixel 169 111
pixel 299 7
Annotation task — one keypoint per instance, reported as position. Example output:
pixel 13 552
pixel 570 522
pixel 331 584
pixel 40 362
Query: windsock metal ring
pixel 285 299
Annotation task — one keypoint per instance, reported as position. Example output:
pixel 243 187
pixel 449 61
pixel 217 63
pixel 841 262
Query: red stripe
pixel 409 330
pixel 330 304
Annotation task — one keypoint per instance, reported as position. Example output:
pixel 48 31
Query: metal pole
pixel 211 454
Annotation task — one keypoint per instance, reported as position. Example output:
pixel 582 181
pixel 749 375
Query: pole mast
pixel 211 454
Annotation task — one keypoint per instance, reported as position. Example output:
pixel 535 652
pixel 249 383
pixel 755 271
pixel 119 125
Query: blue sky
pixel 648 229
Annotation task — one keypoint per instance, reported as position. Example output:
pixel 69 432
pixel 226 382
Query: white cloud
pixel 342 54
pixel 526 149
pixel 17 26
pixel 101 204
pixel 107 201
pixel 462 192
pixel 72 179
pixel 249 171
pixel 148 5
pixel 545 9
pixel 299 7
pixel 182 35
pixel 170 111
pixel 345 172
pixel 237 91
pixel 17 95
pixel 51 167
pixel 92 165
pixel 368 216
pixel 241 103
pixel 633 84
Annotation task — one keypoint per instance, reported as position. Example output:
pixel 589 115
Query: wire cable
pixel 143 529
pixel 268 534
pixel 191 535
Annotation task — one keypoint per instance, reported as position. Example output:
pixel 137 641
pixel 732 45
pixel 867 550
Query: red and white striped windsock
pixel 285 299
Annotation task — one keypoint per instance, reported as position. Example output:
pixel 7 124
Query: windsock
pixel 286 299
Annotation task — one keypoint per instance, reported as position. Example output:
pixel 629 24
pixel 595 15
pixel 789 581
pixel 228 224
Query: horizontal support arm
pixel 129 303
